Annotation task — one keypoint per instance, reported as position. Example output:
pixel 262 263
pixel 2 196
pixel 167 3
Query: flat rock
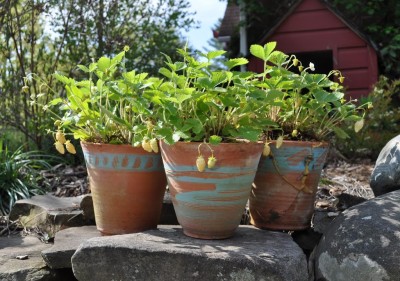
pixel 386 174
pixel 49 213
pixel 362 243
pixel 65 244
pixel 167 254
pixel 33 267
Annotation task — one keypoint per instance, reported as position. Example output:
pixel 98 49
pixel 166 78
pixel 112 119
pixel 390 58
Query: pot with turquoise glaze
pixel 210 204
pixel 127 186
pixel 283 194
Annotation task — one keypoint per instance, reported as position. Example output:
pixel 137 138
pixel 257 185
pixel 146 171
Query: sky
pixel 207 14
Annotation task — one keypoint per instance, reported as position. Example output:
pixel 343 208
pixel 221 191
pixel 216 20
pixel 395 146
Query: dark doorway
pixel 322 60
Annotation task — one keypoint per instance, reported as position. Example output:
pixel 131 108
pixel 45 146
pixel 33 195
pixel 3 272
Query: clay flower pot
pixel 127 185
pixel 210 204
pixel 285 185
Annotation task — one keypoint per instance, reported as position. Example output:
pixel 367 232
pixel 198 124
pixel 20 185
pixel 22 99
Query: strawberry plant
pixel 200 102
pixel 107 107
pixel 305 105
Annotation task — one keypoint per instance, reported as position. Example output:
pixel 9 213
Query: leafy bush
pixel 19 175
pixel 381 124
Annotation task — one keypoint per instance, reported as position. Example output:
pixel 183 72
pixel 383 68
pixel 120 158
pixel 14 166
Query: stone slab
pixel 66 242
pixel 33 268
pixel 167 254
pixel 48 213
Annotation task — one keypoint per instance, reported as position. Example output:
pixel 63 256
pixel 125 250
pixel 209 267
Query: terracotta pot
pixel 285 185
pixel 210 204
pixel 127 185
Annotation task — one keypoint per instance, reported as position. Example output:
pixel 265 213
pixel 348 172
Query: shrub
pixel 19 175
pixel 381 124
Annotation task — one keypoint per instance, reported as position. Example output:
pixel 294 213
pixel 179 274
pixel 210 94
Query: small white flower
pixel 312 66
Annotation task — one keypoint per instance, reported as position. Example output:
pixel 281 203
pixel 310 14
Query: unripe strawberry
pixel 25 89
pixel 60 137
pixel 267 149
pixel 146 145
pixel 295 62
pixel 70 147
pixel 358 125
pixel 154 145
pixel 341 79
pixel 279 142
pixel 60 147
pixel 200 163
pixel 294 133
pixel 211 162
pixel 301 68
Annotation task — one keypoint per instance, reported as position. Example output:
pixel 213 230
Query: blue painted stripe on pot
pixel 228 170
pixel 224 193
pixel 282 155
pixel 123 162
pixel 236 180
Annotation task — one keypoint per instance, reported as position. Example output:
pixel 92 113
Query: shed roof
pixel 232 13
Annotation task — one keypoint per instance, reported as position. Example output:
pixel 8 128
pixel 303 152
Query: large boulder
pixel 362 243
pixel 386 174
pixel 167 254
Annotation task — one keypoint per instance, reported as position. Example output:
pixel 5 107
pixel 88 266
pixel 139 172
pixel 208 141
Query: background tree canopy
pixel 38 37
pixel 378 19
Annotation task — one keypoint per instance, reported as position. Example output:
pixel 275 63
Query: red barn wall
pixel 313 27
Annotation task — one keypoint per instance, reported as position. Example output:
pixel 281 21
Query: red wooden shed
pixel 315 32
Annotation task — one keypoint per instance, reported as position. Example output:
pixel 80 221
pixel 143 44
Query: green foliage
pixel 24 49
pixel 306 106
pixel 199 101
pixel 19 175
pixel 109 106
pixel 39 37
pixel 102 28
pixel 382 123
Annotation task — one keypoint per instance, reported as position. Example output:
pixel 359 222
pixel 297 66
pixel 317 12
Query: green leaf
pixel 258 51
pixel 272 95
pixel 83 68
pixel 165 134
pixel 218 78
pixel 118 58
pixel 269 48
pixel 178 135
pixel 92 67
pixel 55 101
pixel 213 54
pixel 63 79
pixel 249 134
pixel 323 96
pixel 166 72
pixel 104 63
pixel 235 62
pixel 340 133
pixel 215 139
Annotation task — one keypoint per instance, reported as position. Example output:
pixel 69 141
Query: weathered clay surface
pixel 386 174
pixel 65 244
pixel 362 243
pixel 167 254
